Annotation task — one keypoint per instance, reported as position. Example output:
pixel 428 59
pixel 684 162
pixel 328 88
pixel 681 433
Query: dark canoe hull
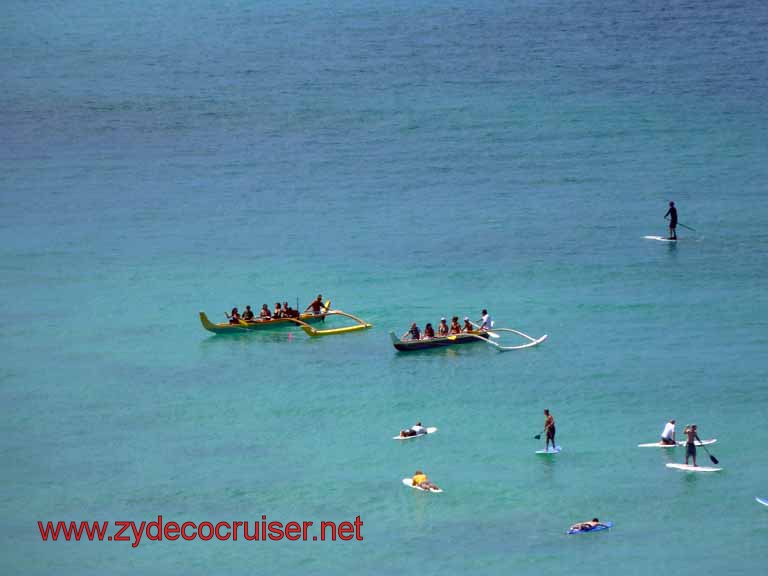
pixel 412 345
pixel 276 324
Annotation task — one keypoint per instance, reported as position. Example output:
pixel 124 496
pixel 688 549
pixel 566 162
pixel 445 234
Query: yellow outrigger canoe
pixel 304 321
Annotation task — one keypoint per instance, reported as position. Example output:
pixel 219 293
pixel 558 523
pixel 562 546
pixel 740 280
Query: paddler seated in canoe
pixel 587 526
pixel 234 316
pixel 420 479
pixel 442 328
pixel 486 323
pixel 467 325
pixel 317 306
pixel 455 326
pixel 289 312
pixel 429 332
pixel 247 314
pixel 414 430
pixel 278 313
pixel 413 334
pixel 265 314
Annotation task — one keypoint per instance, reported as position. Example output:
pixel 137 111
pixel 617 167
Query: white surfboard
pixel 691 468
pixel 409 482
pixel 555 450
pixel 763 501
pixel 680 443
pixel 659 238
pixel 430 430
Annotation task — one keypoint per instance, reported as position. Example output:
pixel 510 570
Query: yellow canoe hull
pixel 242 326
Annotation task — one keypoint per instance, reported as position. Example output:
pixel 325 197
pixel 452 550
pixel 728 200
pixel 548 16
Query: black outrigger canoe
pixel 464 338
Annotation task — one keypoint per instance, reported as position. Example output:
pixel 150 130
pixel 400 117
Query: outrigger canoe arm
pixel 313 332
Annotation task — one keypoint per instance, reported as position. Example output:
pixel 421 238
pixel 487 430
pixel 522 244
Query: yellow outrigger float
pixel 313 332
pixel 304 321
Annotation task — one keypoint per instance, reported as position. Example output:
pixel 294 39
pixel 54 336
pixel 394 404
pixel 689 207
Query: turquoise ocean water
pixel 409 160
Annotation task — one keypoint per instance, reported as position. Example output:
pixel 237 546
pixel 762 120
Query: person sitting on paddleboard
pixel 467 325
pixel 414 430
pixel 690 443
pixel 455 326
pixel 247 314
pixel 265 314
pixel 668 435
pixel 234 316
pixel 485 321
pixel 442 328
pixel 429 332
pixel 549 428
pixel 672 213
pixel 420 479
pixel 587 526
pixel 317 305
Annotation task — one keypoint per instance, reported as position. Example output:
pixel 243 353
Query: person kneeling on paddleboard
pixel 587 526
pixel 420 479
pixel 414 430
pixel 668 435
pixel 690 443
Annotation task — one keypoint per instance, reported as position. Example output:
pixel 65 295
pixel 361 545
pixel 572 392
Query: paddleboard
pixel 556 450
pixel 430 430
pixel 409 482
pixel 660 445
pixel 602 526
pixel 763 501
pixel 691 468
pixel 659 238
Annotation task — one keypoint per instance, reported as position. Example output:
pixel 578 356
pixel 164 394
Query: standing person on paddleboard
pixel 668 435
pixel 690 443
pixel 549 428
pixel 672 214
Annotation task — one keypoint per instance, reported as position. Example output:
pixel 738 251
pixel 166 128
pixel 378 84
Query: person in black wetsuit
pixel 672 214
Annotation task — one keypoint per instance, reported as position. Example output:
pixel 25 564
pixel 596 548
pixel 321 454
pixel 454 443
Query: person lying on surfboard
pixel 414 430
pixel 672 213
pixel 690 443
pixel 420 479
pixel 587 526
pixel 668 435
pixel 455 326
pixel 442 328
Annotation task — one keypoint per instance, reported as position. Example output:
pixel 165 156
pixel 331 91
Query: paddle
pixel 714 460
pixel 538 436
pixel 684 226
pixel 491 334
